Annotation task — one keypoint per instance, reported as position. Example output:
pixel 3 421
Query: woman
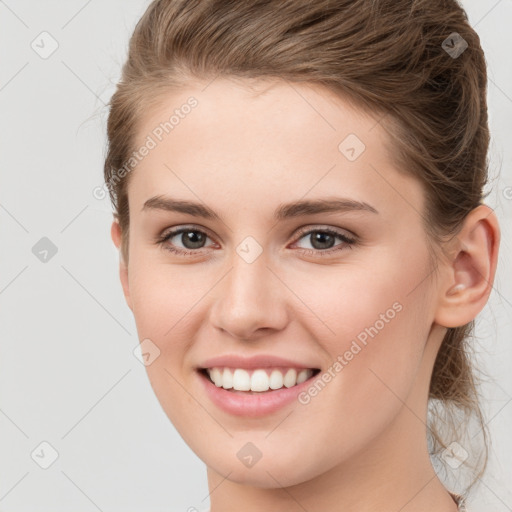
pixel 297 191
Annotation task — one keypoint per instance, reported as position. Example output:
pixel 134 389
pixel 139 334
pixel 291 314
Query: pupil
pixel 189 239
pixel 320 237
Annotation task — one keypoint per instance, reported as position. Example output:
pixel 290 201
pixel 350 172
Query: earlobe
pixel 116 234
pixel 469 274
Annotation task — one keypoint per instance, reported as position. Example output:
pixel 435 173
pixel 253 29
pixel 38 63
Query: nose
pixel 251 301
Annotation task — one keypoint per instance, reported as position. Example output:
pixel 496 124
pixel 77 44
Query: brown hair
pixel 390 58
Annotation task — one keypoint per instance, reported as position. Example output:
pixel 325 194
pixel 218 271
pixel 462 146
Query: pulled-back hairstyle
pixel 388 58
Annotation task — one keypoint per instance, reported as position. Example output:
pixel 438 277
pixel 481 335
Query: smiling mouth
pixel 258 380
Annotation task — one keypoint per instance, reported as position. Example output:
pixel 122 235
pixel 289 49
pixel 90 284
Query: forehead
pixel 266 103
pixel 268 139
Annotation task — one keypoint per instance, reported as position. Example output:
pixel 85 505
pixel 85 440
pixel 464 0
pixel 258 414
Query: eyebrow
pixel 282 212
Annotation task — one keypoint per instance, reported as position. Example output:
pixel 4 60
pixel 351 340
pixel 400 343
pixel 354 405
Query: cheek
pixel 374 322
pixel 163 298
pixel 163 308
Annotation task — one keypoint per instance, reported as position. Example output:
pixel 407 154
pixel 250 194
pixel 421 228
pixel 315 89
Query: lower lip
pixel 252 405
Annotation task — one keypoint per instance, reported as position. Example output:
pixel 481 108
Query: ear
pixel 469 270
pixel 116 234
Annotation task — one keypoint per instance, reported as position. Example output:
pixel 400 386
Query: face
pixel 343 291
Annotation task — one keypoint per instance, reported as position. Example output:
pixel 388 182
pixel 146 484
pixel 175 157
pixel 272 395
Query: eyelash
pixel 348 242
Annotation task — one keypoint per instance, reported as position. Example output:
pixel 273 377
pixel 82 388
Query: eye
pixel 323 239
pixel 192 240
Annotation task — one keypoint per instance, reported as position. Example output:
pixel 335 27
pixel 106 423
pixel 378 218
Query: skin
pixel 361 441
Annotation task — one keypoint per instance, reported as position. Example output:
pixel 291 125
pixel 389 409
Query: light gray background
pixel 67 372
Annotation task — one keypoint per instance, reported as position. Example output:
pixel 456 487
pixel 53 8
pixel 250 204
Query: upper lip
pixel 257 361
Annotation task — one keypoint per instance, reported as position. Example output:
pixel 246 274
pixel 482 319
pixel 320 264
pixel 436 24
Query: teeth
pixel 276 380
pixel 259 380
pixel 227 379
pixel 241 380
pixel 302 376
